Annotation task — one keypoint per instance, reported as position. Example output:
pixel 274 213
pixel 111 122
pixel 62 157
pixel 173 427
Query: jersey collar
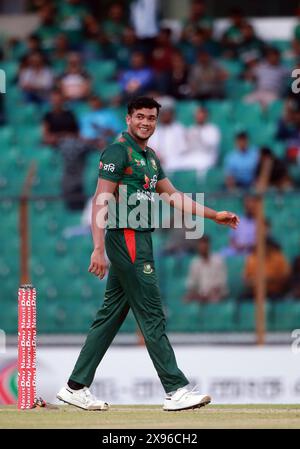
pixel 133 143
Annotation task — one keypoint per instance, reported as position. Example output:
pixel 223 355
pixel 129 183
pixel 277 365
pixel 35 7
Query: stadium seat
pixel 214 179
pixel 107 90
pixel 235 266
pixel 102 70
pixel 185 111
pixel 185 180
pixel 275 110
pixel 286 316
pixel 249 113
pixel 245 315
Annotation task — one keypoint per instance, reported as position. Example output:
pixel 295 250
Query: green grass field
pixel 256 416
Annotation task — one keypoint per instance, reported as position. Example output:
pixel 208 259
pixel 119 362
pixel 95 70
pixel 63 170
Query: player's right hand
pixel 98 264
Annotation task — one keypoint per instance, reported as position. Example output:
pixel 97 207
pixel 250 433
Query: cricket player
pixel 132 281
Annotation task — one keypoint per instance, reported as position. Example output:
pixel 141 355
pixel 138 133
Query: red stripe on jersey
pixel 129 235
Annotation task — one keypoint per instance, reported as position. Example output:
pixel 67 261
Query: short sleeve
pixel 113 162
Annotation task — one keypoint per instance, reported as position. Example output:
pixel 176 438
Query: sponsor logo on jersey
pixel 107 167
pixel 140 162
pixel 153 163
pixel 147 182
pixel 147 268
pixel 153 182
pixel 145 195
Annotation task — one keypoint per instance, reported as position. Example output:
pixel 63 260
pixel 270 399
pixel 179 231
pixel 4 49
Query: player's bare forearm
pixel 98 225
pixel 104 190
pixel 181 201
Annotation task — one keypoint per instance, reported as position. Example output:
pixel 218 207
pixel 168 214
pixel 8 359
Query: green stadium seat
pixel 220 111
pixel 249 113
pixel 214 179
pixel 275 110
pixel 102 70
pixel 278 149
pixel 6 138
pixel 245 315
pixel 286 316
pixel 235 266
pixel 11 70
pixel 237 89
pixel 9 315
pixel 185 111
pixel 107 90
pixel 232 66
pixel 218 317
pixel 185 180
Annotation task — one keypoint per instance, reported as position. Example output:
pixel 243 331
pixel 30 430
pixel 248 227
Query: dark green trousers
pixel 131 283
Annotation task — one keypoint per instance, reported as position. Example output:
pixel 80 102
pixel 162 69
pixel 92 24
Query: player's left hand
pixel 227 219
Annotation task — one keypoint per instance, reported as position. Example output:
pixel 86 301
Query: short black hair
pixel 242 135
pixel 142 102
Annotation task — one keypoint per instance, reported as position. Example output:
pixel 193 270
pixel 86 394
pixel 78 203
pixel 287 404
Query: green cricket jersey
pixel 137 172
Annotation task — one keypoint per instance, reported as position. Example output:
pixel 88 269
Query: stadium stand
pixel 59 264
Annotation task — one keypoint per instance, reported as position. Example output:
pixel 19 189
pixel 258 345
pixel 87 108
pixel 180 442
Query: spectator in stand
pixel 241 163
pixel 61 130
pixel 31 45
pixel 60 53
pixel 144 19
pixel 100 124
pixel 75 83
pixel 243 239
pixel 59 122
pixel 124 50
pixel 169 139
pixel 198 19
pixel 198 42
pixel 233 36
pixel 294 287
pixel 203 140
pixel 270 78
pixel 207 78
pixel 36 79
pixel 71 17
pixel 114 25
pixel 161 58
pixel 289 124
pixel 250 46
pixel 177 78
pixel 207 277
pixel 279 176
pixel 90 49
pixel 138 79
pixel 277 272
pixel 48 27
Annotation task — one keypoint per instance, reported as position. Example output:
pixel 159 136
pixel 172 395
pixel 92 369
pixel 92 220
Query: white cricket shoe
pixel 82 398
pixel 184 399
